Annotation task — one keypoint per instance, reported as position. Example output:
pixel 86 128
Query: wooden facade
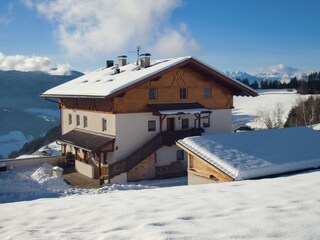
pixel 168 91
pixel 200 171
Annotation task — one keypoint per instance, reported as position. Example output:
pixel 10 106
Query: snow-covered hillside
pixel 247 108
pixel 279 208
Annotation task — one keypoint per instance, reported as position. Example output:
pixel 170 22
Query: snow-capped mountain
pixel 278 72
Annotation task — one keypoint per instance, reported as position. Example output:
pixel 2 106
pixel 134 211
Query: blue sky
pixel 228 34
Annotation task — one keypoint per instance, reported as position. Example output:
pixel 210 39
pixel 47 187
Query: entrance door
pixel 170 124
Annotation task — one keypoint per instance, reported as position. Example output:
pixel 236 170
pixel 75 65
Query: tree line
pixel 309 85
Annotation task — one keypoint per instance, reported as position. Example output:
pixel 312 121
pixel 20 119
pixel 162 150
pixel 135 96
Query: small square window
pixel 151 126
pixel 185 123
pixel 183 93
pixel 85 121
pixel 104 124
pixel 153 93
pixel 180 155
pixel 70 119
pixel 206 122
pixel 207 92
pixel 78 120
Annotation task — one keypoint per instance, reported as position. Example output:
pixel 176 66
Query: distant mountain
pixel 277 72
pixel 24 115
pixel 21 90
pixel 243 75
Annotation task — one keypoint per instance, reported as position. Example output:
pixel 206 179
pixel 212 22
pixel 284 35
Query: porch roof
pixel 178 108
pixel 85 140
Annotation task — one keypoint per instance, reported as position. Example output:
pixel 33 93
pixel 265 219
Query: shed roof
pixel 255 154
pixel 85 140
pixel 105 82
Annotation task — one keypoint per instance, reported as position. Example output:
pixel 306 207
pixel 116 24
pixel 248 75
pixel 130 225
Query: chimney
pixel 145 60
pixel 109 63
pixel 122 60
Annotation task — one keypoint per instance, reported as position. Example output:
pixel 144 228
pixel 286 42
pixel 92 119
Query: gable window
pixel 151 126
pixel 104 124
pixel 85 121
pixel 185 123
pixel 183 93
pixel 206 122
pixel 78 120
pixel 153 93
pixel 207 92
pixel 70 119
pixel 180 155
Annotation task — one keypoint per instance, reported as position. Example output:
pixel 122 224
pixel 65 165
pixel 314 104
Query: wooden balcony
pixel 167 138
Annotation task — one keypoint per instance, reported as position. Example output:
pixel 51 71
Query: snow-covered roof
pixel 104 81
pixel 254 154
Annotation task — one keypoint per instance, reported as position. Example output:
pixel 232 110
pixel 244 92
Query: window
pixel 151 126
pixel 183 93
pixel 185 123
pixel 153 93
pixel 78 120
pixel 206 122
pixel 85 121
pixel 70 119
pixel 104 124
pixel 180 155
pixel 207 93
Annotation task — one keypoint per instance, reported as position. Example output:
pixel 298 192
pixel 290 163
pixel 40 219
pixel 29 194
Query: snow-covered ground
pixel 52 149
pixel 279 208
pixel 247 108
pixel 12 140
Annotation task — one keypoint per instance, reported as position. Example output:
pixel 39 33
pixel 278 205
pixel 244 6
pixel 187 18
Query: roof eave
pixel 72 96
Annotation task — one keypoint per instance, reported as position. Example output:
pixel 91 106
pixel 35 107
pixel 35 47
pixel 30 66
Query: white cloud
pixel 175 43
pixel 32 63
pixel 85 28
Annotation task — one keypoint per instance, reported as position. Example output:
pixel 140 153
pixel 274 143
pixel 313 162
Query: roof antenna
pixel 138 53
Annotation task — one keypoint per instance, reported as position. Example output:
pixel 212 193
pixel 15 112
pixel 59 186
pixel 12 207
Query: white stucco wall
pixel 166 155
pixel 132 132
pixel 220 121
pixel 94 121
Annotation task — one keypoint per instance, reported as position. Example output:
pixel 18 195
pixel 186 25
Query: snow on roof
pixel 254 154
pixel 104 82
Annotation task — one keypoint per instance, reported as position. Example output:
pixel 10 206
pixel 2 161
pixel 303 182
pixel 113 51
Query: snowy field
pixel 279 208
pixel 247 108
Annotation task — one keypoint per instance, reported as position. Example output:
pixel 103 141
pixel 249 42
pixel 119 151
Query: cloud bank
pixel 32 63
pixel 85 28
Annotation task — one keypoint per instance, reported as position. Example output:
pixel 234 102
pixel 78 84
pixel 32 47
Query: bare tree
pixel 272 118
pixel 308 110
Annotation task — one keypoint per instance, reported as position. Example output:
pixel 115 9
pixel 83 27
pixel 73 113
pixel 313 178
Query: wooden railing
pixel 167 138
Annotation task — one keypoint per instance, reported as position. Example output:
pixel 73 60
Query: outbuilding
pixel 248 155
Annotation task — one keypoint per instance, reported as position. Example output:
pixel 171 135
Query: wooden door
pixel 170 124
